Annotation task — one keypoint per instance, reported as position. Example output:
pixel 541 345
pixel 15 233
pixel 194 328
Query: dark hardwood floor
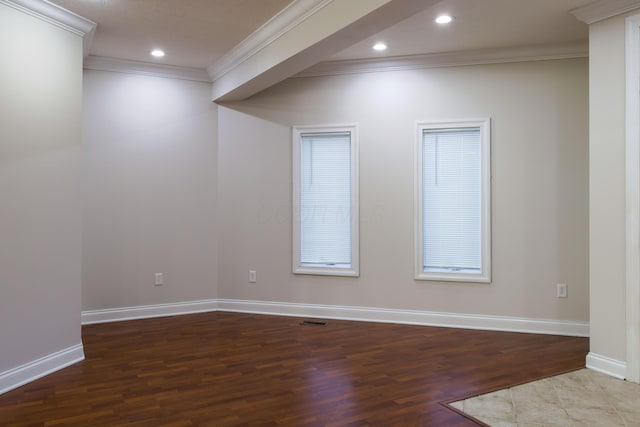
pixel 229 369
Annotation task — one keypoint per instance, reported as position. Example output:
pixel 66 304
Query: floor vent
pixel 313 323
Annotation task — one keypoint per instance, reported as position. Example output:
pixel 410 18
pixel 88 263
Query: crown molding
pixel 58 16
pixel 449 59
pixel 603 9
pixel 288 18
pixel 101 63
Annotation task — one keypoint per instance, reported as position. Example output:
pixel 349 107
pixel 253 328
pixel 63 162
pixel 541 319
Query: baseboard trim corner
pixel 411 317
pixel 16 377
pixel 607 365
pixel 147 311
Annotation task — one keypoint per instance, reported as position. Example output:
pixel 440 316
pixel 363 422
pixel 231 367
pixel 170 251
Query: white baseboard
pixel 411 317
pixel 607 365
pixel 367 314
pixel 14 378
pixel 147 311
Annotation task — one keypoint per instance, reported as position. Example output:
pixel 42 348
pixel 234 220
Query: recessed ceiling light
pixel 379 46
pixel 158 53
pixel 444 19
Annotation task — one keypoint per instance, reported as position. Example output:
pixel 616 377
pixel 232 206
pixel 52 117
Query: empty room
pixel 319 213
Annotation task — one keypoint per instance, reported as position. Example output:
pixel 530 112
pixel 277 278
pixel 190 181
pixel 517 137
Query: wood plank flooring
pixel 230 369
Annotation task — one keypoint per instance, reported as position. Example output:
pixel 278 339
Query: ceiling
pixel 193 33
pixel 197 33
pixel 478 24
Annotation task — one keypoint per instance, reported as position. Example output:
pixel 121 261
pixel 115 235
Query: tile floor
pixel 583 398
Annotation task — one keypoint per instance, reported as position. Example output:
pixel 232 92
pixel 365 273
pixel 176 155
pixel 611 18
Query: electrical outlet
pixel 561 290
pixel 159 279
pixel 252 276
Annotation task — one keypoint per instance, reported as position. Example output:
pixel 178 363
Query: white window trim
pixel 485 135
pixel 298 268
pixel 632 180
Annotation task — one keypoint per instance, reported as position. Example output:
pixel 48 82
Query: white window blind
pixel 452 221
pixel 325 199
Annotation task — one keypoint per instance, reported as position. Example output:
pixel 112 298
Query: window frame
pixel 484 276
pixel 298 267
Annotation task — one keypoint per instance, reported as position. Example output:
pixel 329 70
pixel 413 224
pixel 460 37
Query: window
pixel 325 200
pixel 452 201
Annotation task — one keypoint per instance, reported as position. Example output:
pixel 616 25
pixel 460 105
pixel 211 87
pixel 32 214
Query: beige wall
pixel 540 192
pixel 40 215
pixel 607 187
pixel 149 190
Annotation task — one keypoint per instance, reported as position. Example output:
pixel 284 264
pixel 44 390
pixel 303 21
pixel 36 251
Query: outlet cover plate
pixel 561 290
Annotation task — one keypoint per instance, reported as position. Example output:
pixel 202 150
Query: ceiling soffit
pixel 326 28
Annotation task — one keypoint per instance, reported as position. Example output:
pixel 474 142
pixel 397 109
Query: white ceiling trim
pixel 603 9
pixel 117 65
pixel 288 18
pixel 58 16
pixel 449 59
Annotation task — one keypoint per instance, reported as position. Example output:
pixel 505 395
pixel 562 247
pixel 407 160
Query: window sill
pixel 326 271
pixel 452 277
